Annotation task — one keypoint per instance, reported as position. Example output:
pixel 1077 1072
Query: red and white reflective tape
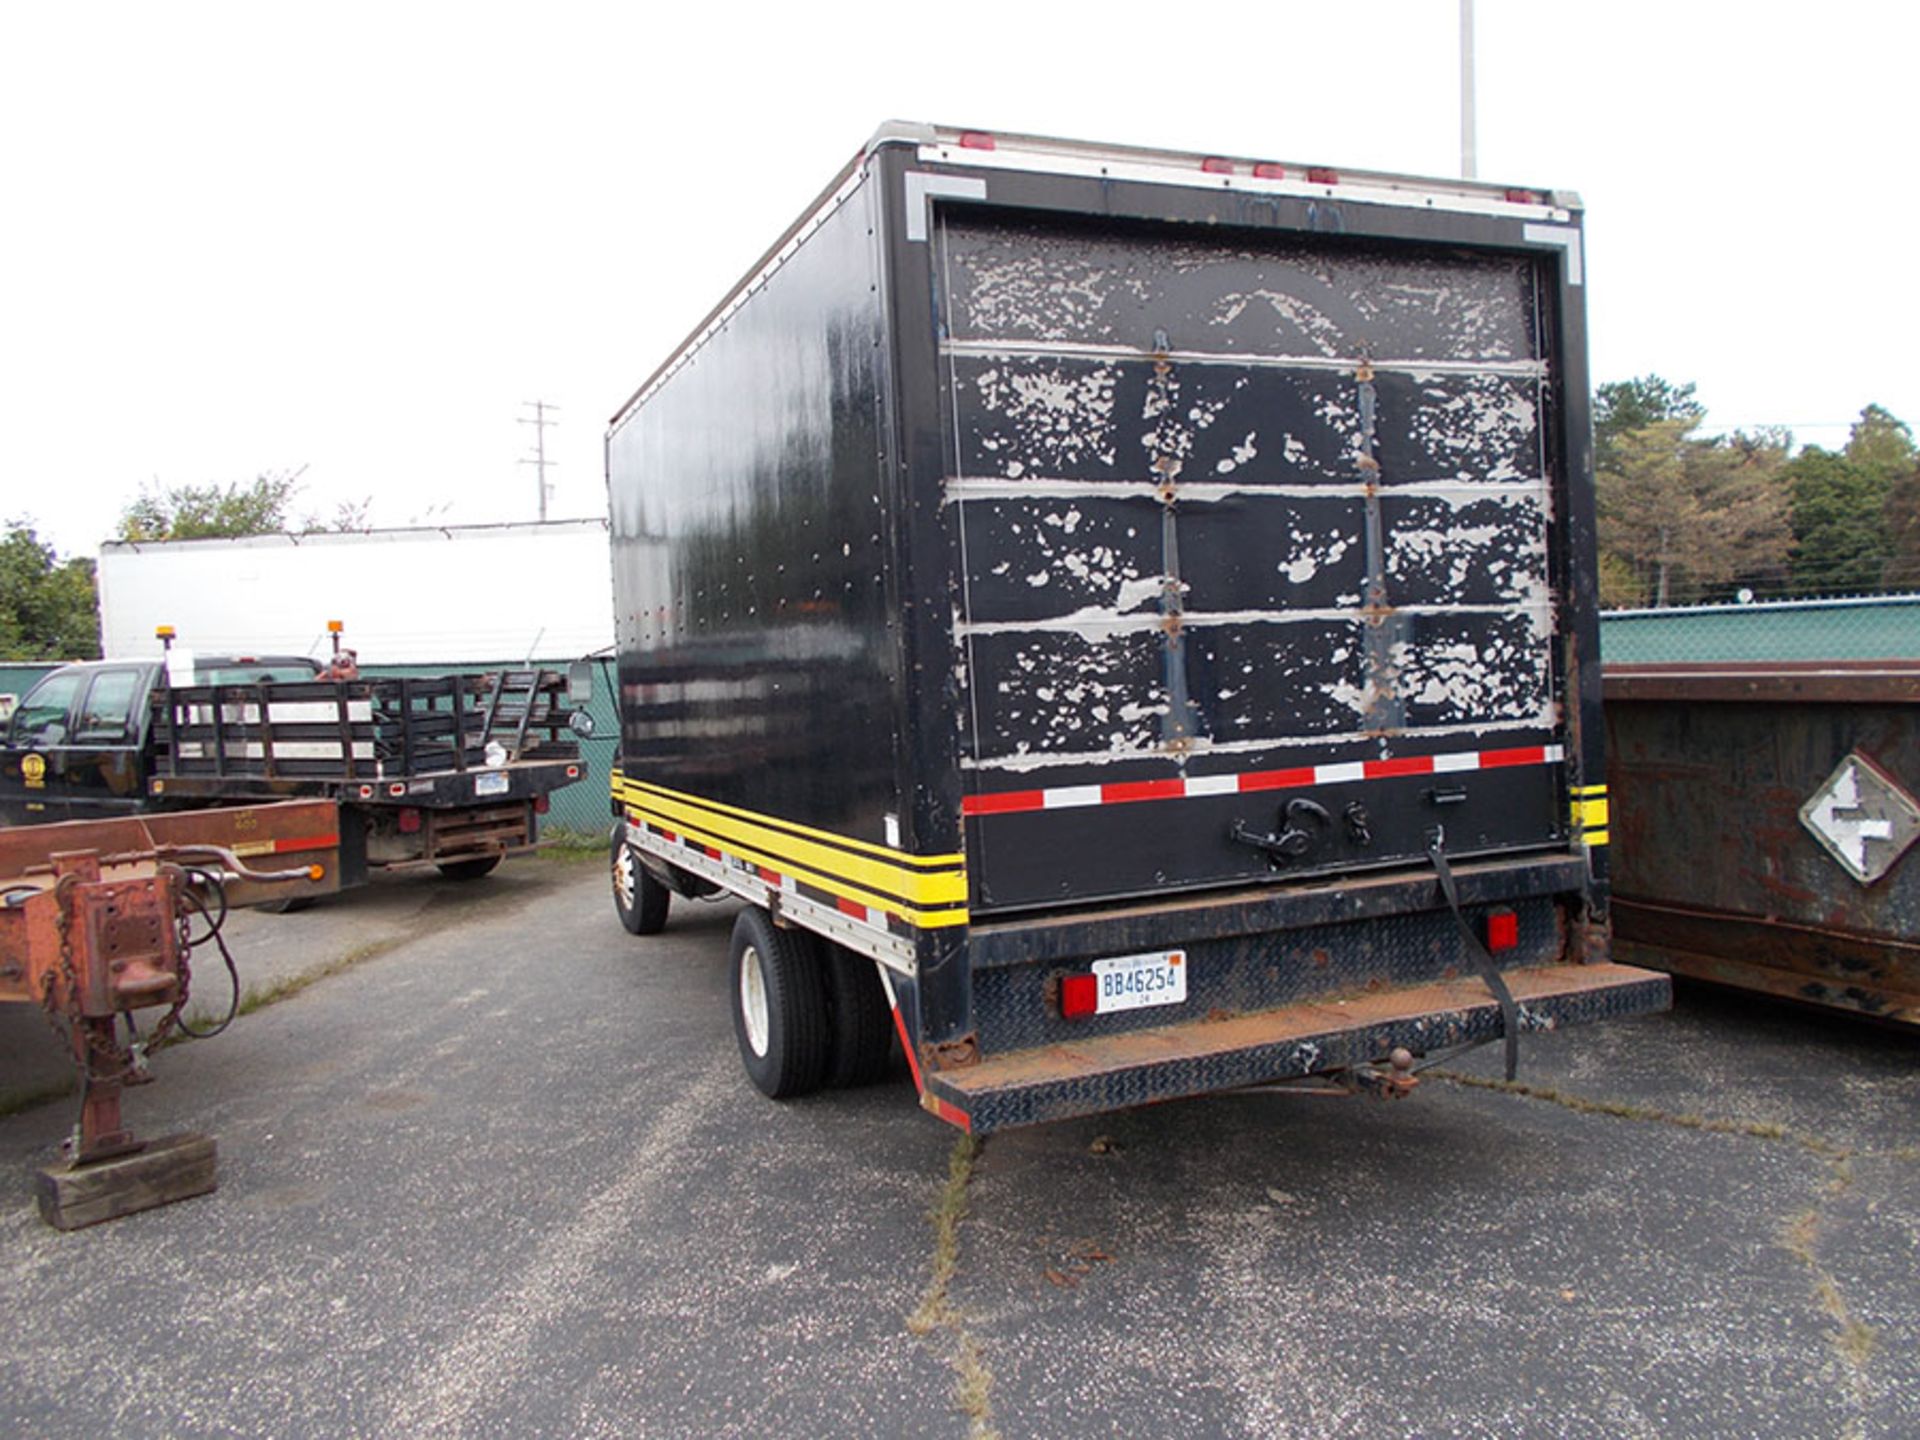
pixel 1126 792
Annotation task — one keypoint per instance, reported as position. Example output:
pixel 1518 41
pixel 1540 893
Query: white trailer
pixel 455 594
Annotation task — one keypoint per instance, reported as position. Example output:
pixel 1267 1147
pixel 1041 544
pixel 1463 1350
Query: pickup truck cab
pixel 76 742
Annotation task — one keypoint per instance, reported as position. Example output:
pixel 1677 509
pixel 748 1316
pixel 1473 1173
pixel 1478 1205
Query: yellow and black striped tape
pixel 929 891
pixel 1590 814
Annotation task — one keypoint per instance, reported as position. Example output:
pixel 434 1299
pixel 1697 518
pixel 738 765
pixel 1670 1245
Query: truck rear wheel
pixel 469 869
pixel 779 1007
pixel 862 1020
pixel 640 900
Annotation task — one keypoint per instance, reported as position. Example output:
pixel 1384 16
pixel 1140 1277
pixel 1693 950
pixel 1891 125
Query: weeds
pixel 973 1381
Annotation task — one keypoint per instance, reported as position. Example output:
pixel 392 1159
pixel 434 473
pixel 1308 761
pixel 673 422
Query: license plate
pixel 491 783
pixel 1133 982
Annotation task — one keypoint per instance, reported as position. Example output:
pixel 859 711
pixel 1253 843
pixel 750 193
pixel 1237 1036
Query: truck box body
pixel 1056 554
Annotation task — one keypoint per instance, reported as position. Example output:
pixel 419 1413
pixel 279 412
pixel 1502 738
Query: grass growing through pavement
pixel 259 997
pixel 1619 1110
pixel 572 845
pixel 1854 1340
pixel 973 1382
pixel 254 997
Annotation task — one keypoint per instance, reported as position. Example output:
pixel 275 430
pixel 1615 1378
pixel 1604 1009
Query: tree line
pixel 1684 517
pixel 1687 517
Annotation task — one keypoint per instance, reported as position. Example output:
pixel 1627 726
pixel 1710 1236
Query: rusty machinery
pixel 99 924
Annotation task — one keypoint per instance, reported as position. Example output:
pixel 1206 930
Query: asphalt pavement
pixel 500 1173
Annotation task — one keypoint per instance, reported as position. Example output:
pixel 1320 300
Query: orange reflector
pixel 316 872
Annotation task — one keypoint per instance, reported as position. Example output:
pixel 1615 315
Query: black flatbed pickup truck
pixel 449 770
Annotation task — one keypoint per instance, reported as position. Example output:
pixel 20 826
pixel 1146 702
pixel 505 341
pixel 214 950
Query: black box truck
pixel 1124 622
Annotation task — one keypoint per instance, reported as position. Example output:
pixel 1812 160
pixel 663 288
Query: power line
pixel 538 459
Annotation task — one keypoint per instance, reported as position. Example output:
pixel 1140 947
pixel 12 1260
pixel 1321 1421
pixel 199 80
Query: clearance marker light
pixel 976 140
pixel 1321 175
pixel 1503 930
pixel 1267 170
pixel 1214 165
pixel 1079 996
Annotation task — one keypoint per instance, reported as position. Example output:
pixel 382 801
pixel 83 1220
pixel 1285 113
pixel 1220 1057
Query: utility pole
pixel 541 409
pixel 1469 143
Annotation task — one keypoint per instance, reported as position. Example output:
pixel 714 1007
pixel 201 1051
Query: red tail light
pixel 1503 930
pixel 408 819
pixel 1079 996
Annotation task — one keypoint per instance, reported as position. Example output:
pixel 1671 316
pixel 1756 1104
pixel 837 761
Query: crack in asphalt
pixel 1853 1341
pixel 973 1381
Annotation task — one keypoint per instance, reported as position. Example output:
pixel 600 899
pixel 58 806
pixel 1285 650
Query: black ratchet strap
pixel 1489 972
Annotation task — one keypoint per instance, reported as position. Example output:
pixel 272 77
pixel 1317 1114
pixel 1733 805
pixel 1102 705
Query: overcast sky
pixel 357 237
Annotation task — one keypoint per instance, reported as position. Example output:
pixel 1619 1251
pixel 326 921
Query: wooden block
pixel 176 1167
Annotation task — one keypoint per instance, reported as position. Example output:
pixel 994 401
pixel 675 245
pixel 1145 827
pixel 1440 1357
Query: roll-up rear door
pixel 1252 543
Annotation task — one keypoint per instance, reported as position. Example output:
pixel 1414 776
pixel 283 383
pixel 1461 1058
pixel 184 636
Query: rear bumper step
pixel 1057 1082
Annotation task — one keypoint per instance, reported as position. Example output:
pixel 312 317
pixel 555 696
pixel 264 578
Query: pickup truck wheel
pixel 862 1020
pixel 469 869
pixel 779 1007
pixel 640 900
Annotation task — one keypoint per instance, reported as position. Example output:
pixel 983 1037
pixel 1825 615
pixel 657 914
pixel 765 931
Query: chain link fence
pixel 1880 627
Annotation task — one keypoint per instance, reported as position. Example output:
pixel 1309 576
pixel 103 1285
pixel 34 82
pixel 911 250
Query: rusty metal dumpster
pixel 1765 824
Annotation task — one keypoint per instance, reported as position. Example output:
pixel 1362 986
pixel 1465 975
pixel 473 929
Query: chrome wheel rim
pixel 624 878
pixel 753 1000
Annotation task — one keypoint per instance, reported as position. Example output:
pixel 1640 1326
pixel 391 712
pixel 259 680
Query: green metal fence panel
pixel 1879 628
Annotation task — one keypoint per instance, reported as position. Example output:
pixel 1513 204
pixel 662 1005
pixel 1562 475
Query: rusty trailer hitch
pixel 94 931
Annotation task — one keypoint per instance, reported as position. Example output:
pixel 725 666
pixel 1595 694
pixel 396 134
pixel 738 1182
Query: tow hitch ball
pixel 1393 1083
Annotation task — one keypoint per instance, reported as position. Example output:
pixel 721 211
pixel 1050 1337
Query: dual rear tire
pixel 806 1013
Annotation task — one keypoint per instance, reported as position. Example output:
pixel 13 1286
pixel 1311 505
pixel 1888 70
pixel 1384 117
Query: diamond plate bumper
pixel 1111 1072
